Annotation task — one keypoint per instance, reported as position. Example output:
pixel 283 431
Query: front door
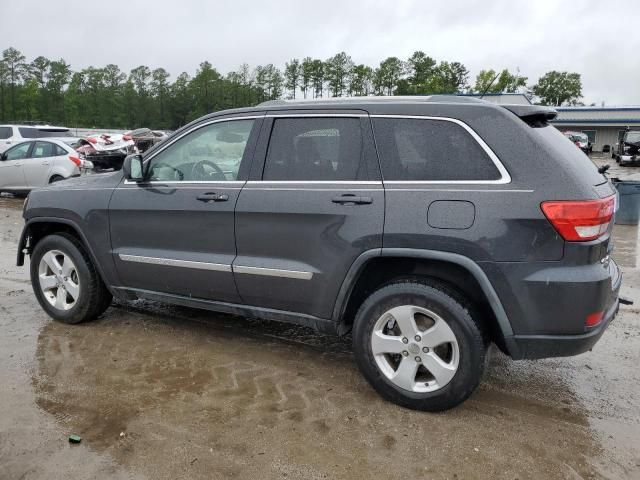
pixel 12 165
pixel 174 233
pixel 315 204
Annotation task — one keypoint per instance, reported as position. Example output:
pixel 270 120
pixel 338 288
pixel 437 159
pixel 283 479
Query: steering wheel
pixel 198 172
pixel 178 174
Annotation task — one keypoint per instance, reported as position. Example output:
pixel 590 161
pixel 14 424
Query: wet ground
pixel 163 392
pixel 615 170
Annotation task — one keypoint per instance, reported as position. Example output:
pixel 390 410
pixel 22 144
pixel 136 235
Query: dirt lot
pixel 162 392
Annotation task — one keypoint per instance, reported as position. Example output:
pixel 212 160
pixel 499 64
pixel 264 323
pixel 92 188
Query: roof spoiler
pixel 533 113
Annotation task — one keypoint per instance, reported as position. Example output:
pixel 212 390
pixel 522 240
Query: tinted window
pixel 5 132
pixel 430 150
pixel 18 152
pixel 566 153
pixel 314 149
pixel 43 149
pixel 60 151
pixel 211 153
pixel 32 132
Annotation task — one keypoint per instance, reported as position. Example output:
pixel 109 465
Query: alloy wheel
pixel 415 348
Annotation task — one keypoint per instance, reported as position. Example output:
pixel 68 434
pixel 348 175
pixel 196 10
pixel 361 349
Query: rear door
pixel 175 232
pixel 12 166
pixel 37 166
pixel 314 203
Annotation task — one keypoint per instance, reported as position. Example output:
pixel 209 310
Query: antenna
pixel 489 86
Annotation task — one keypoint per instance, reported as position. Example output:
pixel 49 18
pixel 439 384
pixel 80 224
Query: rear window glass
pixel 565 152
pixel 430 150
pixel 315 149
pixel 5 132
pixel 32 132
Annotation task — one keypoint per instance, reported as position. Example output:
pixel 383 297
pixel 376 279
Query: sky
pixel 600 39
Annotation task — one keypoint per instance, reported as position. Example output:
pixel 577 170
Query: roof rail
pixel 272 102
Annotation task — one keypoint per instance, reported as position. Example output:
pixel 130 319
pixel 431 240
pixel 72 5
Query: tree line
pixel 46 90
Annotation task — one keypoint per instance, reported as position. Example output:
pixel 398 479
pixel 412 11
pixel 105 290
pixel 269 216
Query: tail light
pixel 75 160
pixel 126 137
pixel 580 221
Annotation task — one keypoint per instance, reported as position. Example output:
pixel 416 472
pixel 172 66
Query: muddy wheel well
pixel 383 270
pixel 39 230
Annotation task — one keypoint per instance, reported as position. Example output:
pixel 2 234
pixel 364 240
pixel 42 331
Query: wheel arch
pixel 376 267
pixel 54 174
pixel 39 227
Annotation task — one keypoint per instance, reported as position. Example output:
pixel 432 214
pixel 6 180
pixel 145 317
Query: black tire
pixel 56 178
pixel 455 310
pixel 93 298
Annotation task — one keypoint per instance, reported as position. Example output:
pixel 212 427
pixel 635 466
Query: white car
pixel 13 134
pixel 38 162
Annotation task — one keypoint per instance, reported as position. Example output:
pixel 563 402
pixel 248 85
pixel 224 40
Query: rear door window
pixel 315 149
pixel 430 150
pixel 43 150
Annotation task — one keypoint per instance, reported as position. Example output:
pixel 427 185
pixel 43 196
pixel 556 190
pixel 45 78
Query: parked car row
pixel 36 163
pixel 33 156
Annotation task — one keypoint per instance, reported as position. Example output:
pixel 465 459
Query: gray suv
pixel 430 227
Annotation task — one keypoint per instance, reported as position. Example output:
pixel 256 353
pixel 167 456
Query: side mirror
pixel 3 157
pixel 132 168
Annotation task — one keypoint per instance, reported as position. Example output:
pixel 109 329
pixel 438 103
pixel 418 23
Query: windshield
pixel 633 137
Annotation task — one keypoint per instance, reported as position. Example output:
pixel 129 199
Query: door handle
pixel 352 198
pixel 213 197
pixel 45 163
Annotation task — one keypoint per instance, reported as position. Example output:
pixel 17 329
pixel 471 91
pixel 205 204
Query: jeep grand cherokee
pixel 429 226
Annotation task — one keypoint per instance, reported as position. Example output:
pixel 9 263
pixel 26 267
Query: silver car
pixel 38 162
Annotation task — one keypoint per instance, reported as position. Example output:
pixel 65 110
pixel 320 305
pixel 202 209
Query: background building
pixel 603 125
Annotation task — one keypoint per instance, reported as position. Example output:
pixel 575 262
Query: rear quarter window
pixel 5 132
pixel 430 150
pixel 563 151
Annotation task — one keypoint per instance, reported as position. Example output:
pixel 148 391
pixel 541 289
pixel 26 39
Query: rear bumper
pixel 545 346
pixel 548 303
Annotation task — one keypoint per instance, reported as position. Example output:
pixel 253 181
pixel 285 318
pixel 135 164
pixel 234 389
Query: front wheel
pixel 419 346
pixel 65 281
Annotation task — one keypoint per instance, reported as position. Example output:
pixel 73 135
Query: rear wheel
pixel 419 346
pixel 65 281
